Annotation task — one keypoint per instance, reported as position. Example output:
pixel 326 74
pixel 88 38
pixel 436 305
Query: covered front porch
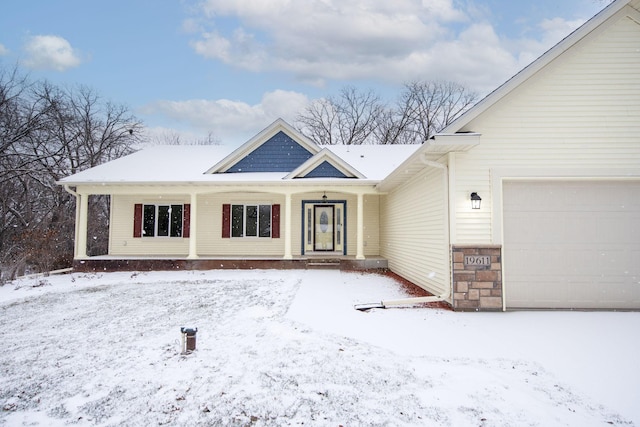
pixel 211 219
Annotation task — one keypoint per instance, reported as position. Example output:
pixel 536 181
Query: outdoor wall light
pixel 324 198
pixel 475 201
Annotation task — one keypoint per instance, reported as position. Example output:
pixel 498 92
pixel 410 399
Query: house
pixel 277 197
pixel 552 156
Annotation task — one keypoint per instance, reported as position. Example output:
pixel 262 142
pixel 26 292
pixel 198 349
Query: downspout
pixel 418 300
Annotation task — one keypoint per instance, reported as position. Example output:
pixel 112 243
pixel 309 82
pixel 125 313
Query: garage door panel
pixel 612 262
pixel 580 227
pixel 633 268
pixel 580 292
pixel 572 244
pixel 543 293
pixel 578 262
pixel 616 226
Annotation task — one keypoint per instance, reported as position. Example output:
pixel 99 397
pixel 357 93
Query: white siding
pixel 579 115
pixel 371 225
pixel 121 239
pixel 414 236
pixel 210 241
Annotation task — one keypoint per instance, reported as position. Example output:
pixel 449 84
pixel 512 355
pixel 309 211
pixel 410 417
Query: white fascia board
pixel 329 156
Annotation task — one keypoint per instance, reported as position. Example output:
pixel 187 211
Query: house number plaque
pixel 477 260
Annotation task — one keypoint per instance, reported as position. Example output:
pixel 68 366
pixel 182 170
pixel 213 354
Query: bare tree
pixel 422 109
pixel 174 138
pixel 432 105
pixel 350 118
pixel 47 133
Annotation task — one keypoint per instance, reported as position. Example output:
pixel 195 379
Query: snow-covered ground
pixel 287 348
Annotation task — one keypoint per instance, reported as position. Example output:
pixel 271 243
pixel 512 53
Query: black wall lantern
pixel 475 201
pixel 324 198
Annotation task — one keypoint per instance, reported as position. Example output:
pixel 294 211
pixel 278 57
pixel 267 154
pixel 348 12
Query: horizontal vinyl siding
pixel 371 225
pixel 210 241
pixel 122 241
pixel 581 112
pixel 414 231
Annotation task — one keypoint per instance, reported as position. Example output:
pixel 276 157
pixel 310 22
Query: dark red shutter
pixel 226 221
pixel 275 221
pixel 186 220
pixel 137 220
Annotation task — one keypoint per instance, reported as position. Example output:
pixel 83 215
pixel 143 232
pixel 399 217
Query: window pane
pixel 237 220
pixel 149 221
pixel 265 220
pixel 176 220
pixel 163 220
pixel 251 227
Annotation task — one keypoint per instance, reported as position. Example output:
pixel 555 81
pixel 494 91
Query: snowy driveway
pixel 286 348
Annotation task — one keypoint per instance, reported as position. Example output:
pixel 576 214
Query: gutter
pixel 417 300
pixel 69 190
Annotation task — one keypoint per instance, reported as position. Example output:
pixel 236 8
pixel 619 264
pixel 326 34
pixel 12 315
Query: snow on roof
pixel 188 163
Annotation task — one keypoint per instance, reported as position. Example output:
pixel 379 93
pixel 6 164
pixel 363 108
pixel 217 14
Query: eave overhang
pixel 435 148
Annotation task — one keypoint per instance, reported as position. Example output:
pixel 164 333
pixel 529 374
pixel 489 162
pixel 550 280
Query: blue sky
pixel 230 67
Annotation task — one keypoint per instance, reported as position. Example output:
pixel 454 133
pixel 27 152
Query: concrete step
pixel 323 264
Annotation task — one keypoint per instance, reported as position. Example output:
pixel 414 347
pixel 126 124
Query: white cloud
pixel 3 50
pixel 231 122
pixel 50 52
pixel 331 39
pixel 318 40
pixel 551 31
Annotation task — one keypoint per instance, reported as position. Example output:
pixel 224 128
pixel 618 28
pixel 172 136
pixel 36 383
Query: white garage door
pixel 572 244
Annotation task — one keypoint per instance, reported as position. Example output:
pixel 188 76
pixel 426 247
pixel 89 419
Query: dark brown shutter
pixel 137 220
pixel 226 221
pixel 275 221
pixel 186 220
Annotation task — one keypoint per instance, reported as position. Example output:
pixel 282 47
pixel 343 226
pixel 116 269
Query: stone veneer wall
pixel 476 285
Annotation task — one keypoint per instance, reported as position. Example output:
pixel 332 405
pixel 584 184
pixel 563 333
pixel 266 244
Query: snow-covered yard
pixel 287 348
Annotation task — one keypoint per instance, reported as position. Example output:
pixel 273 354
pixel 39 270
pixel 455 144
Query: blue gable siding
pixel 279 154
pixel 325 170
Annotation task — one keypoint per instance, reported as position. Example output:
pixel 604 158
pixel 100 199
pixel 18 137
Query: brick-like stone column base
pixel 477 277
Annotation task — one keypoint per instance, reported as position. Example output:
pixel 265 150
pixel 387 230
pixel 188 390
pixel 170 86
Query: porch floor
pixel 150 263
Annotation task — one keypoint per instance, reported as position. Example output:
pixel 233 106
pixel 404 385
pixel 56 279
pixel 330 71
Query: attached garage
pixel 572 244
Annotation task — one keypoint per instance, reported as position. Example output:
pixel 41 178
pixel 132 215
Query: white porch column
pixel 287 227
pixel 193 227
pixel 360 228
pixel 82 212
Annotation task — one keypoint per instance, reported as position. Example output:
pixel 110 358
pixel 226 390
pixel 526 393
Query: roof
pixel 175 164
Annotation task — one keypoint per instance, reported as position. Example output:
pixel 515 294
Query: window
pixel 162 220
pixel 251 220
